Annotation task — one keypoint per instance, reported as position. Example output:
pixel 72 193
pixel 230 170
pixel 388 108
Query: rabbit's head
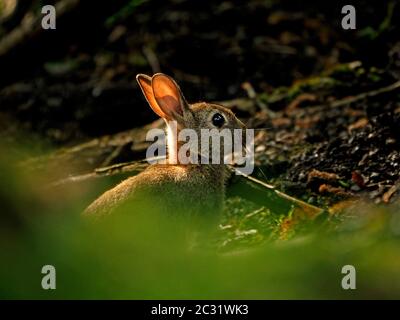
pixel 166 100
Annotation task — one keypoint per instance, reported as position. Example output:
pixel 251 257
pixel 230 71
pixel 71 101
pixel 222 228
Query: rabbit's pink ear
pixel 145 84
pixel 168 96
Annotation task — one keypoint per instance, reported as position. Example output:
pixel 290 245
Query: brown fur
pixel 191 189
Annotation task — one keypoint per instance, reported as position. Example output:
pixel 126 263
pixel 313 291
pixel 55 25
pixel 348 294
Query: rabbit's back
pixel 170 189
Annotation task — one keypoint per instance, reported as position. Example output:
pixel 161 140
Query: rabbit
pixel 193 189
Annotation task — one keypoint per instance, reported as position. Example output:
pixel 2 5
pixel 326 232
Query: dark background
pixel 77 81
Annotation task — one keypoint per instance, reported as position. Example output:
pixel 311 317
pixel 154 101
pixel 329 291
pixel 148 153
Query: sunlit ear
pixel 145 84
pixel 168 96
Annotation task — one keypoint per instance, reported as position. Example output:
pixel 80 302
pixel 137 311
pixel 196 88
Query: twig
pixel 361 96
pixel 152 59
pixel 7 9
pixel 393 189
pixel 97 150
pixel 309 210
pixel 116 169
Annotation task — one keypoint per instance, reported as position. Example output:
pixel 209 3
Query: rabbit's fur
pixel 191 188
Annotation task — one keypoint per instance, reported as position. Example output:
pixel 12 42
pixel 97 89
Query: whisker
pixel 257 129
pixel 263 174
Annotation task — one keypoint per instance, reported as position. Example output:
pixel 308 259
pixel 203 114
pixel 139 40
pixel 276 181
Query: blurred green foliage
pixel 133 255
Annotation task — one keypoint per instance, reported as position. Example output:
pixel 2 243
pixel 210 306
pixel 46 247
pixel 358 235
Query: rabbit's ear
pixel 145 84
pixel 169 97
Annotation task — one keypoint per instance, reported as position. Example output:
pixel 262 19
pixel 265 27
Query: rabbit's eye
pixel 218 120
